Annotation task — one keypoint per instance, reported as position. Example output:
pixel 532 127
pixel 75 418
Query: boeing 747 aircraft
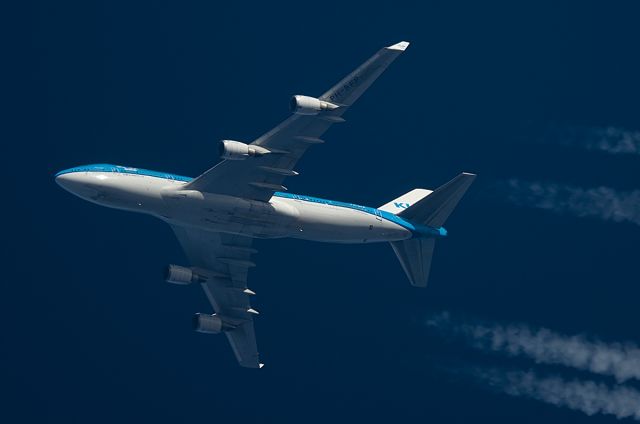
pixel 217 215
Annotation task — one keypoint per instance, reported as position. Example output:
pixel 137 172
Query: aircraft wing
pixel 259 177
pixel 225 260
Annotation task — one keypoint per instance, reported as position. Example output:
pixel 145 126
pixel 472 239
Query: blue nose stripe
pixel 105 167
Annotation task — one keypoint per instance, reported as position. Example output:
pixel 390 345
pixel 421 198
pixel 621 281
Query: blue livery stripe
pixel 105 167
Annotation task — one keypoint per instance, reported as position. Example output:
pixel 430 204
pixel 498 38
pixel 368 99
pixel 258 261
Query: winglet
pixel 401 46
pixel 260 365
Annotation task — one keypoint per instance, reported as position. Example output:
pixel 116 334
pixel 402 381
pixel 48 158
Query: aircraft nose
pixel 74 183
pixel 66 181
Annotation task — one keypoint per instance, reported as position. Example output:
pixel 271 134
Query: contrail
pixel 599 202
pixel 618 360
pixel 609 139
pixel 581 395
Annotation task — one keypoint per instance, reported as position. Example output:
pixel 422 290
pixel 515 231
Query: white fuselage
pixel 285 215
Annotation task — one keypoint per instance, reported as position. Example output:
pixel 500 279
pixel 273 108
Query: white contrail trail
pixel 586 396
pixel 618 360
pixel 607 139
pixel 599 202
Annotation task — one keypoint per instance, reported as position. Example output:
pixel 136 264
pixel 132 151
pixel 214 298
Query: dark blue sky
pixel 91 333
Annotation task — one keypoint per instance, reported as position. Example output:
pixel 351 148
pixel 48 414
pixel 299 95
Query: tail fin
pixel 431 210
pixel 403 202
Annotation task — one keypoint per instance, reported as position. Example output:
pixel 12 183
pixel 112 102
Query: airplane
pixel 216 216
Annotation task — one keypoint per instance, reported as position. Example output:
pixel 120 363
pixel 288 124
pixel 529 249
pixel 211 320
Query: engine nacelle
pixel 305 105
pixel 235 150
pixel 175 274
pixel 210 324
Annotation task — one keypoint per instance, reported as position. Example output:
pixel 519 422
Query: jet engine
pixel 235 150
pixel 305 105
pixel 175 274
pixel 210 324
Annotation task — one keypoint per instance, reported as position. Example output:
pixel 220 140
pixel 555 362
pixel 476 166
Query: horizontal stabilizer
pixel 415 257
pixel 434 209
pixel 431 209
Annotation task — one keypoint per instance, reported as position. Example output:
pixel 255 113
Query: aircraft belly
pixel 134 193
pixel 336 224
pixel 281 217
pixel 230 214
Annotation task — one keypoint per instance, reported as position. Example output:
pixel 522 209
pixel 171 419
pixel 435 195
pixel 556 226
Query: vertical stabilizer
pixel 406 200
pixel 431 210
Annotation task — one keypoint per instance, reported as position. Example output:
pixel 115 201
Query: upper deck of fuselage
pixel 105 167
pixel 417 229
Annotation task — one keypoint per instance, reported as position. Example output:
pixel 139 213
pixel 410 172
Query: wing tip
pixel 401 46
